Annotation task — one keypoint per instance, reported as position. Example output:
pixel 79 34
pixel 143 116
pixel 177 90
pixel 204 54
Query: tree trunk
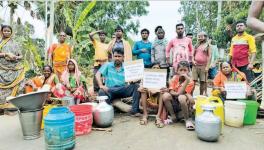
pixel 219 11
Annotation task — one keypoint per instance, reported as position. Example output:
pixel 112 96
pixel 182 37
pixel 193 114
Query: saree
pixel 12 72
pixel 59 53
pixel 76 81
pixel 38 82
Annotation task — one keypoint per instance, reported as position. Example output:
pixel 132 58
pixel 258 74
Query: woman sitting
pixel 37 82
pixel 74 82
pixel 229 73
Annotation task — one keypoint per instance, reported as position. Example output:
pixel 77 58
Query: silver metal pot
pixel 207 125
pixel 30 123
pixel 67 101
pixel 104 113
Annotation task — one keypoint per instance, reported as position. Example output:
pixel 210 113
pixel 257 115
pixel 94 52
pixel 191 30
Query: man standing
pixel 214 60
pixel 100 53
pixel 119 43
pixel 158 51
pixel 142 49
pixel 58 54
pixel 181 47
pixel 115 86
pixel 242 46
pixel 201 62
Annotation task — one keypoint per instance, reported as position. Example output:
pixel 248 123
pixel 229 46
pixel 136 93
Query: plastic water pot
pixel 59 129
pixel 250 112
pixel 234 113
pixel 45 112
pixel 83 118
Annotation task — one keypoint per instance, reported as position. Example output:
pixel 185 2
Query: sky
pixel 164 13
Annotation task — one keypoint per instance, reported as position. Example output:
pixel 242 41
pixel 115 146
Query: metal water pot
pixel 207 125
pixel 104 113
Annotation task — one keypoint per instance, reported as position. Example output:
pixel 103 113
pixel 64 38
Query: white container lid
pixel 235 104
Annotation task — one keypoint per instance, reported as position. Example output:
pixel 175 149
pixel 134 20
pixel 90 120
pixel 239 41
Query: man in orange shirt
pixel 101 54
pixel 58 54
pixel 243 51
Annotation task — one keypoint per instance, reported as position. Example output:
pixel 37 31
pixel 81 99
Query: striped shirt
pixel 241 47
pixel 113 77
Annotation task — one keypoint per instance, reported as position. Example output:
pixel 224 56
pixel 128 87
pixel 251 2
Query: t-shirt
pixel 146 56
pixel 181 50
pixel 201 55
pixel 113 77
pixel 176 85
pixel 100 52
pixel 241 47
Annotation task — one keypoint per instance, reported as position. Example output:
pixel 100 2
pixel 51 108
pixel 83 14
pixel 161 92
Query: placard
pixel 133 70
pixel 235 90
pixel 154 78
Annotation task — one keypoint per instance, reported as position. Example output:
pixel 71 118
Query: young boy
pixel 152 99
pixel 178 98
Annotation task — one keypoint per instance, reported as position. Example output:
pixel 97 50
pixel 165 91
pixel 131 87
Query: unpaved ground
pixel 129 135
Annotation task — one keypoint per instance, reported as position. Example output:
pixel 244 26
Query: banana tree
pixel 76 19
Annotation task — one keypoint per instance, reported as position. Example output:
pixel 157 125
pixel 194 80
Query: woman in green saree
pixel 74 81
pixel 11 65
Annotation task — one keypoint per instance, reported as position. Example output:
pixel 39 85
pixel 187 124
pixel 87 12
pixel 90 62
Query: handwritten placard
pixel 134 70
pixel 154 78
pixel 235 90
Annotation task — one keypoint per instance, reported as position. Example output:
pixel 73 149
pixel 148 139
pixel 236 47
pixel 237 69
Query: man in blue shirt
pixel 142 49
pixel 115 86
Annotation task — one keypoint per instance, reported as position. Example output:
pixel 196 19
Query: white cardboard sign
pixel 235 90
pixel 154 78
pixel 133 70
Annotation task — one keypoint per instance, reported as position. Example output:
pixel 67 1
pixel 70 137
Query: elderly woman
pixel 11 65
pixel 229 73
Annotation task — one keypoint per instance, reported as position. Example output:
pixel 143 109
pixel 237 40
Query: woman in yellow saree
pixel 59 54
pixel 11 66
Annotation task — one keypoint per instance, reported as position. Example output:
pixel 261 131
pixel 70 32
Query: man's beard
pixel 180 34
pixel 117 63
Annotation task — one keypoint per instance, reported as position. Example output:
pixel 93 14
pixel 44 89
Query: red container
pixel 83 118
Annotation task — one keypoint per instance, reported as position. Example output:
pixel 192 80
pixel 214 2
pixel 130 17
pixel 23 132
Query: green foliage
pixel 202 15
pixel 32 48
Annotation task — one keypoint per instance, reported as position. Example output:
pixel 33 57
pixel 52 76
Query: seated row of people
pixel 72 82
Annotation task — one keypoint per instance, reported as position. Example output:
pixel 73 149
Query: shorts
pixel 176 104
pixel 198 72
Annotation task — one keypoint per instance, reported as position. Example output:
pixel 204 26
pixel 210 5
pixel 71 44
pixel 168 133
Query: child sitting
pixel 178 98
pixel 152 99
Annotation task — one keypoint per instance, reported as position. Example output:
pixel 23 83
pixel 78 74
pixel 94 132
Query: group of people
pixel 190 64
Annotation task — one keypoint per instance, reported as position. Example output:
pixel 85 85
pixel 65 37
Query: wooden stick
pixel 102 129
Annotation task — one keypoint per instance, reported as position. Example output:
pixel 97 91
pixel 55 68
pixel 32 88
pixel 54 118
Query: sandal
pixel 189 125
pixel 159 123
pixel 143 121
